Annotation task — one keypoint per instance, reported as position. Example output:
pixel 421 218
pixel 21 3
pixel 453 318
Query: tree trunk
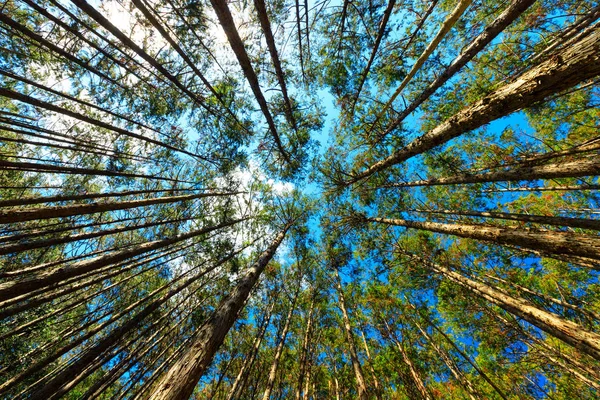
pixel 263 18
pixel 570 169
pixel 565 330
pixel 305 344
pixel 444 29
pixel 235 392
pixel 551 242
pixel 369 360
pixel 279 349
pixel 237 45
pixel 358 373
pixel 49 212
pixel 182 377
pixel 538 219
pixel 513 11
pixel 53 277
pixel 567 68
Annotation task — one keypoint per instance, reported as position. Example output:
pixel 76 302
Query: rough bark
pixel 563 70
pixel 571 169
pixel 235 392
pixel 55 276
pixel 265 25
pixel 566 243
pixel 237 45
pixel 48 212
pixel 444 29
pixel 304 352
pixel 582 223
pixel 358 373
pixel 567 331
pixel 279 350
pixel 512 12
pixel 182 377
pixel 380 34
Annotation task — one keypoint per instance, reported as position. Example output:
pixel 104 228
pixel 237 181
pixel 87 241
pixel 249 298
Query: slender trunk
pixel 188 370
pixel 49 278
pixel 380 34
pixel 575 188
pixel 105 23
pixel 582 223
pixel 358 373
pixel 551 242
pixel 226 20
pixel 570 169
pixel 414 373
pixel 263 18
pixel 376 384
pixel 444 29
pixel 48 212
pixel 57 199
pixel 512 12
pixel 565 69
pixel 305 343
pixel 279 349
pixel 565 330
pixel 235 392
pixel 37 244
pixel 454 369
pixel 92 121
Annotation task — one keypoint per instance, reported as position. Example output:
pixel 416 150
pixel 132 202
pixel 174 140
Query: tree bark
pixel 182 377
pixel 279 349
pixel 565 69
pixel 53 277
pixel 565 330
pixel 582 223
pixel 305 344
pixel 566 243
pixel 358 373
pixel 226 21
pixel 235 392
pixel 512 12
pixel 570 169
pixel 48 212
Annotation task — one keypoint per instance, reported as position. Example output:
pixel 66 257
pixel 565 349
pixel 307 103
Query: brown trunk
pixel 538 219
pixel 575 188
pixel 235 41
pixel 569 332
pixel 49 278
pixel 570 169
pixel 182 377
pixel 551 242
pixel 380 34
pixel 56 199
pixel 565 69
pixel 37 244
pixel 305 343
pixel 358 373
pixel 48 212
pixel 263 18
pixel 105 23
pixel 92 121
pixel 376 384
pixel 414 373
pixel 235 392
pixel 454 369
pixel 279 349
pixel 513 11
pixel 444 29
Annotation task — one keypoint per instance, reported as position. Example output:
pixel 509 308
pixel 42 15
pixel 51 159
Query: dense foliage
pixel 299 199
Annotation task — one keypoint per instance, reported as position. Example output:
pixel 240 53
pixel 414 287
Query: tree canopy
pixel 299 199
